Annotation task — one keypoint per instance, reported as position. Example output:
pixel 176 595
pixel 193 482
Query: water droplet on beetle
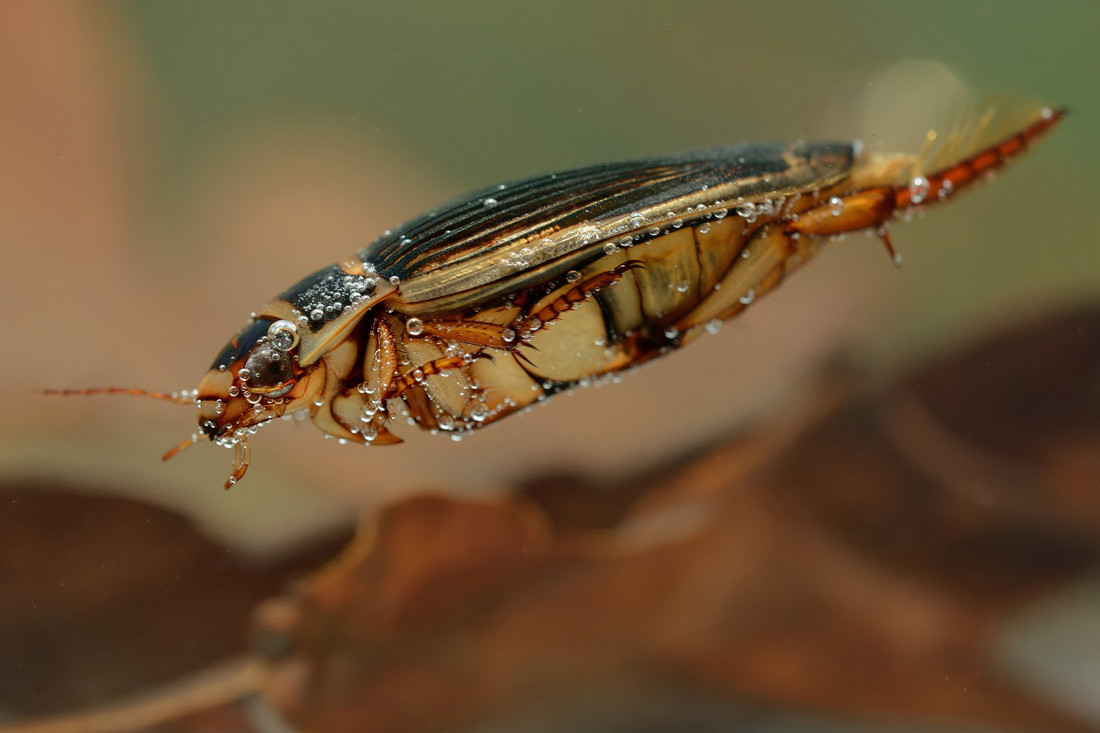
pixel 918 189
pixel 714 325
pixel 946 188
pixel 572 276
pixel 414 326
pixel 704 227
pixel 836 206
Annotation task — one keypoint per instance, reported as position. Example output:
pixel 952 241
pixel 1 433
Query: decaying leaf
pixel 856 561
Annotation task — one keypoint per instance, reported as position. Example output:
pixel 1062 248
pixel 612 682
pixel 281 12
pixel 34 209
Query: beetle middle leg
pixel 518 332
pixel 436 366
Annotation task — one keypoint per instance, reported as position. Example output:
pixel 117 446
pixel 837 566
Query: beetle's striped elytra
pixel 507 296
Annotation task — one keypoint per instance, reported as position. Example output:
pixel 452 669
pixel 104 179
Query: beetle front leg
pixel 361 410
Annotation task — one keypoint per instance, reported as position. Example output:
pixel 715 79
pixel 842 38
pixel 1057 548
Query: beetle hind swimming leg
pixel 880 188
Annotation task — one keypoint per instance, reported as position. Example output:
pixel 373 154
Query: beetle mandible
pixel 502 298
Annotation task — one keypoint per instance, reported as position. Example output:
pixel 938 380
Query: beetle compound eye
pixel 267 369
pixel 283 335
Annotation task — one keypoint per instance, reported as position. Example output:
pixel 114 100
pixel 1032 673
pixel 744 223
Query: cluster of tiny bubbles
pixel 945 189
pixel 611 248
pixel 588 235
pixel 490 202
pixel 714 325
pixel 748 297
pixel 572 276
pixel 361 285
pixel 704 227
pixel 918 189
pixel 836 206
pixel 414 326
pixel 521 259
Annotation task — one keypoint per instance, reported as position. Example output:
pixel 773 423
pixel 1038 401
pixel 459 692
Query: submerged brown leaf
pixel 857 560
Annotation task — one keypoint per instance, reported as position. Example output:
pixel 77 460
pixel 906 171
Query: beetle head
pixel 254 379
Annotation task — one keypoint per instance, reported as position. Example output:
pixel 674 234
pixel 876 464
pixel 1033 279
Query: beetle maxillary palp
pixel 184 445
pixel 242 456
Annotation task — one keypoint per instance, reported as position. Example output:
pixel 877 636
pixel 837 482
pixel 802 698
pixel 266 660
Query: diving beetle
pixel 504 297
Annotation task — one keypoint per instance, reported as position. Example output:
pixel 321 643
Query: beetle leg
pixel 520 331
pixel 435 366
pixel 526 327
pixel 472 333
pixel 359 412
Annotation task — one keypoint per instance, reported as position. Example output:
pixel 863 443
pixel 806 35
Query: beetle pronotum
pixel 504 297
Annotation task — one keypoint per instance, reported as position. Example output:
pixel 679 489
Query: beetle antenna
pixel 180 398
